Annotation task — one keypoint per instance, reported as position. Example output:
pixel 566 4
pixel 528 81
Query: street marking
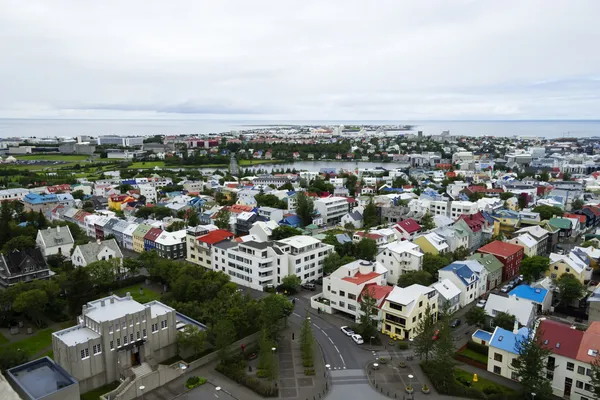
pixel 297 315
pixel 336 349
pixel 344 362
pixel 330 340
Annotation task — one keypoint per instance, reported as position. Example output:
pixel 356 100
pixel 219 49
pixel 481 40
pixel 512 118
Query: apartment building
pixel 260 265
pixel 200 242
pixel 464 278
pixel 114 336
pixel 398 258
pixel 270 213
pixel 405 307
pixel 344 286
pixel 510 255
pixel 332 209
pixel 13 194
pixel 171 245
pixel 138 237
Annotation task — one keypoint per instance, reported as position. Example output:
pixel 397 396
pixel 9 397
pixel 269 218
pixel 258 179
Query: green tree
pixel 79 289
pixel 78 194
pixel 523 200
pixel 476 317
pixel 547 212
pixel 333 261
pixel 530 366
pixel 193 219
pixel 31 303
pixel 566 176
pixel 290 284
pixel 304 208
pixel 275 308
pixel 569 288
pixel 420 277
pixel 125 187
pixel 504 320
pixel 427 222
pixel 595 378
pixel 266 358
pixel 284 231
pixel 191 338
pixel 370 218
pixel 223 334
pixel 590 243
pixel 222 220
pixel 306 343
pixel 10 356
pixel 423 342
pixel 366 249
pixel 367 325
pixel 506 195
pixel 443 355
pixel 102 272
pixel 433 263
pixel 460 253
pixel 475 196
pixel 18 243
pixel 42 222
pixel 533 268
pixel 577 204
pixel 544 176
pixel 132 266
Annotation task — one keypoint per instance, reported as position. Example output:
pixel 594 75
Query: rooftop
pixel 40 378
pixel 300 241
pixel 482 335
pixel 502 249
pixel 537 295
pixel 561 339
pixel 507 340
pixel 215 236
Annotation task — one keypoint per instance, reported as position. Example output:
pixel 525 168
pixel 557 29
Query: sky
pixel 300 60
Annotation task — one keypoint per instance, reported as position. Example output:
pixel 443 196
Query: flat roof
pixel 40 378
pixel 112 310
pixel 76 334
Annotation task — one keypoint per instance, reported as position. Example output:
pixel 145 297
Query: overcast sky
pixel 291 60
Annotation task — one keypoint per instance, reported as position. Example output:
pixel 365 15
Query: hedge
pixel 478 348
pixel 236 371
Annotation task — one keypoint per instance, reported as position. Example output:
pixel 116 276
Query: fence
pixel 129 389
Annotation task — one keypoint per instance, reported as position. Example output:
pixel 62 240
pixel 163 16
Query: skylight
pixel 500 338
pixel 557 345
pixel 592 353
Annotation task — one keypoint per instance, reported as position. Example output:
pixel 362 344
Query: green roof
pixel 562 223
pixel 312 226
pixel 490 262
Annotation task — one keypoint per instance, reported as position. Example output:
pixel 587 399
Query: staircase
pixel 141 370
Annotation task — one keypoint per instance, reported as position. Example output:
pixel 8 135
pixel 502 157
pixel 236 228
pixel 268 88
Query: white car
pixel 505 289
pixel 347 331
pixel 481 303
pixel 357 339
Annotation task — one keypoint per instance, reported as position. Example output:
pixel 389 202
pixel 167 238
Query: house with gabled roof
pixel 432 243
pixel 106 250
pixel 503 350
pixel 404 308
pixel 407 229
pixel 55 241
pixel 465 278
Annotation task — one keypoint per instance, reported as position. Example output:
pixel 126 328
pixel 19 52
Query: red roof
pixel 589 341
pixel 451 174
pixel 595 210
pixel 215 236
pixel 559 338
pixel 474 221
pixel 408 225
pixel 361 278
pixel 581 218
pixel 373 236
pixel 483 189
pixel 239 208
pixel 153 233
pixel 378 292
pixel 502 249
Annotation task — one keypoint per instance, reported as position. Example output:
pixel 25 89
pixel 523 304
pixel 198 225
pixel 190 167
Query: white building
pixel 448 295
pixel 106 250
pixel 398 258
pixel 522 309
pixel 13 194
pixel 503 350
pixel 53 241
pixel 274 214
pixel 149 192
pixel 332 209
pixel 461 275
pixel 529 244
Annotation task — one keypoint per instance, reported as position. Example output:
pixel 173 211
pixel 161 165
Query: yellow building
pixel 138 237
pixel 405 307
pixel 116 202
pixel 432 243
pixel 569 264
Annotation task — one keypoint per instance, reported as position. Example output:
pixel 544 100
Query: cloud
pixel 300 59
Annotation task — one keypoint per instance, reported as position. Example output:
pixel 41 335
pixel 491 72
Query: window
pixel 588 387
pixel 97 348
pixel 163 324
pixel 112 344
pixel 581 370
pixel 588 372
pixel 85 353
pixel 342 293
pixel 497 370
pixel 131 337
pixel 119 342
pixel 154 327
pixel 144 333
pixel 514 376
pixel 124 340
pixel 579 384
pixel 497 357
pixel 570 366
pixel 420 304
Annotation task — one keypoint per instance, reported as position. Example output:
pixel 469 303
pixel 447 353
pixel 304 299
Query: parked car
pixel 357 338
pixel 505 289
pixel 455 323
pixel 481 303
pixel 309 286
pixel 347 331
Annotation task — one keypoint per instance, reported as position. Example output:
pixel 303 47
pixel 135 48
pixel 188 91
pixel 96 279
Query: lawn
pixel 482 383
pixel 148 295
pixel 245 163
pixel 3 339
pixel 35 343
pixel 54 157
pixel 95 394
pixel 147 164
pixel 474 355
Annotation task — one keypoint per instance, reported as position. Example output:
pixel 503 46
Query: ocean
pixel 95 127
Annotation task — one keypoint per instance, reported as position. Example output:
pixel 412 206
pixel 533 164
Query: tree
pixel 266 358
pixel 432 263
pixel 193 219
pixel 102 272
pixel 590 243
pixel 223 333
pixel 31 304
pixel 504 320
pixel 475 196
pixel 290 284
pixel 333 261
pixel 523 200
pixel 125 187
pixel 547 212
pixel 10 356
pixel 566 176
pixel 530 366
pixel 577 204
pixel 506 195
pixel 306 343
pixel 78 288
pixel 476 317
pixel 367 326
pixel 366 249
pixel 284 231
pixel 443 355
pixel 370 218
pixel 42 222
pixel 222 220
pixel 460 253
pixel 78 194
pixel 595 378
pixel 533 268
pixel 275 308
pixel 420 277
pixel 304 208
pixel 544 176
pixel 423 342
pixel 132 266
pixel 18 243
pixel 176 226
pixel 569 288
pixel 191 338
pixel 427 222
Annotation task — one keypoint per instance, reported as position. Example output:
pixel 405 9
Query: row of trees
pixel 431 265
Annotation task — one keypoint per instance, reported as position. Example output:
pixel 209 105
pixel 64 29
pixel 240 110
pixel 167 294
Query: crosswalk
pixel 348 377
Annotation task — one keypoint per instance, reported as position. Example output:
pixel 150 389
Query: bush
pixel 194 381
pixel 307 363
pixel 474 393
pixel 402 345
pixel 309 371
pixel 261 373
pixel 478 348
pixel 235 369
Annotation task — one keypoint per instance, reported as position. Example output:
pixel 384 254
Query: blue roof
pixel 64 196
pixel 129 182
pixel 507 340
pixel 392 189
pixel 343 238
pixel 327 170
pixel 292 220
pixel 462 271
pixel 483 335
pixel 34 198
pixel 537 295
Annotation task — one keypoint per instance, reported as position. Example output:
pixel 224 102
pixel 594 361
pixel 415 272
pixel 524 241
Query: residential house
pixel 529 244
pixel 404 308
pixel 354 218
pixel 39 202
pixel 150 238
pixel 407 229
pixel 244 222
pixel 118 230
pixel 432 243
pixel 23 266
pixel 503 350
pixel 565 226
pixel 138 237
pixel 448 295
pixel 343 287
pixel 332 209
pixel 398 258
pixel 53 241
pixel 263 230
pixel 270 213
pixel 576 262
pixel 99 250
pixel 510 255
pixel 128 235
pixel 200 243
pixel 493 267
pixel 522 309
pixel 464 278
pixel 540 235
pixel 171 245
pixel 116 202
pixel 540 297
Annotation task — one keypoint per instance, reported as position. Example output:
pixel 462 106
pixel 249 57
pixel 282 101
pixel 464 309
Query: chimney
pixel 112 300
pixel 58 229
pixel 128 296
pixel 516 327
pixel 102 303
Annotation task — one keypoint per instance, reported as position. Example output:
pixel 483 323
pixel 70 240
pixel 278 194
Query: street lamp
pixel 371 342
pixel 183 368
pixel 142 390
pixel 410 377
pixel 533 395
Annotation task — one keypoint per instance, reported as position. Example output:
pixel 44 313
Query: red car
pixel 436 335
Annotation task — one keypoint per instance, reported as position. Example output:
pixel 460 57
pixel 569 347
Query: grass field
pixel 147 164
pixel 474 355
pixel 3 340
pixel 95 394
pixel 36 343
pixel 54 157
pixel 148 295
pixel 483 383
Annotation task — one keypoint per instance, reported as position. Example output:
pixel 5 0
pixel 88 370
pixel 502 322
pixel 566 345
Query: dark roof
pixel 256 245
pixel 226 244
pixel 17 260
